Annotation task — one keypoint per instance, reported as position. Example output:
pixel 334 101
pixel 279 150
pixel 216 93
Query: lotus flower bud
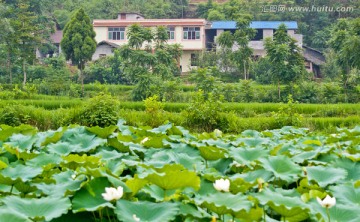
pixel 222 185
pixel 328 202
pixel 112 194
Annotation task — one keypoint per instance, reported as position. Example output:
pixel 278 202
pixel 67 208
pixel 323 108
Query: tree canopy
pixel 78 43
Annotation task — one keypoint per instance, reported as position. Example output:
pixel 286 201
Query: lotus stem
pixel 328 214
pixel 108 215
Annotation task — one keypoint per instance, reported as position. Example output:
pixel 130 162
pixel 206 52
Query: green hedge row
pixel 53 119
pixel 242 109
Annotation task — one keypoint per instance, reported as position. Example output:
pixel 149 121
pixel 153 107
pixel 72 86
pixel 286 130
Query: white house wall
pixel 102 50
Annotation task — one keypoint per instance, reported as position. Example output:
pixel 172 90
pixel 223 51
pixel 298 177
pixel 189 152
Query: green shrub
pixel 154 110
pixel 147 86
pixel 287 115
pixel 98 111
pixel 204 114
pixel 11 116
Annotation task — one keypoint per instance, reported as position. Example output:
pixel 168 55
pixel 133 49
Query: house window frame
pixel 171 33
pixel 194 59
pixel 192 33
pixel 116 33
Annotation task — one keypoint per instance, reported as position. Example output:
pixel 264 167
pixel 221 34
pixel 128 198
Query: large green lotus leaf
pixel 282 167
pixel 25 187
pixel 102 132
pixel 285 202
pixel 46 207
pixel 312 142
pixel 162 129
pixel 3 165
pixel 210 152
pixel 224 203
pixel 44 159
pixel 73 161
pixel 120 146
pixel 325 175
pixel 7 181
pixel 166 156
pixel 24 155
pixel 64 182
pixel 211 174
pixel 50 136
pixel 346 194
pixel 61 148
pixel 22 142
pixel 181 147
pixel 84 142
pixel 155 141
pixel 109 154
pixel 174 177
pixel 250 142
pixel 255 214
pixel 338 213
pixel 252 176
pixel 8 215
pixel 247 156
pixel 135 184
pixel 240 185
pixel 193 211
pixel 146 211
pixel 304 156
pixel 7 131
pixel 89 197
pixel 159 194
pixel 22 172
pixel 217 143
pixel 206 187
pixel 353 157
pixel 125 130
pixel 352 168
pixel 116 167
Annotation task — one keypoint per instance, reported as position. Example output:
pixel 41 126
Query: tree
pixel 240 40
pixel 158 60
pixel 345 40
pixel 285 57
pixel 28 34
pixel 8 39
pixel 78 41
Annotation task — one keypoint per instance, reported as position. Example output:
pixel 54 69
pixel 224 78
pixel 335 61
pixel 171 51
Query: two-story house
pixel 189 33
pixel 264 29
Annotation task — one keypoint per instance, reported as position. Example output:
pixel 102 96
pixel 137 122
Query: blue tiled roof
pixel 254 24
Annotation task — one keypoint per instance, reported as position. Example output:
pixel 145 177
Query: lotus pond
pixel 123 173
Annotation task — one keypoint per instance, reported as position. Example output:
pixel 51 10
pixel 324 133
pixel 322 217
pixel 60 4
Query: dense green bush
pixel 154 110
pixel 204 114
pixel 102 110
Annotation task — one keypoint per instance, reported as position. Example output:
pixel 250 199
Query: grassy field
pixel 51 112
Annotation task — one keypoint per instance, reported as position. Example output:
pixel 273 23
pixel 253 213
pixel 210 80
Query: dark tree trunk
pixel 24 71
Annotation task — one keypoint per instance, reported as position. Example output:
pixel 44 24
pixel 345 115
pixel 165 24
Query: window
pixel 191 32
pixel 259 35
pixel 194 59
pixel 117 33
pixel 171 33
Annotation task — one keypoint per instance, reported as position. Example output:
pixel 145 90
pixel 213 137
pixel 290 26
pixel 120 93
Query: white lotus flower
pixel 136 218
pixel 222 185
pixel 113 194
pixel 144 140
pixel 328 202
pixel 217 133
